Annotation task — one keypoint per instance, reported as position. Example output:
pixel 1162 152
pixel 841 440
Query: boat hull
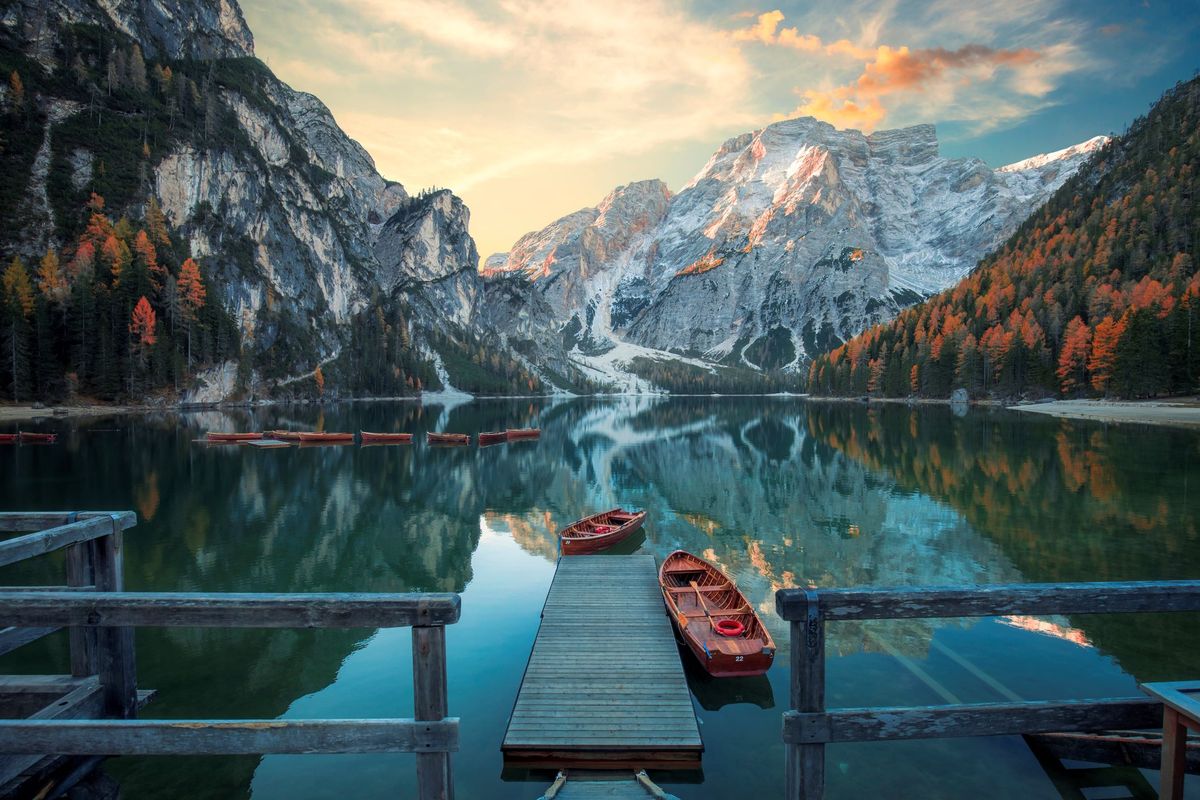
pixel 699 598
pixel 233 437
pixel 572 546
pixel 492 438
pixel 523 433
pixel 309 438
pixel 448 438
pixel 385 438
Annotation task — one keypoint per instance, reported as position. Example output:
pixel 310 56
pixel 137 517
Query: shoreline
pixel 1182 412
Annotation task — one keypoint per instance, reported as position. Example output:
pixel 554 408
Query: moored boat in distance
pixel 368 437
pixel 492 437
pixel 713 618
pixel 232 437
pixel 600 531
pixel 447 438
pixel 523 433
pixel 285 436
pixel 308 438
pixel 7 438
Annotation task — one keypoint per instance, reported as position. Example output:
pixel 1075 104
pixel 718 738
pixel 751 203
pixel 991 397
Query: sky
pixel 532 109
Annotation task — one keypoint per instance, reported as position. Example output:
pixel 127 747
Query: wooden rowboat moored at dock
pixel 7 438
pixel 326 437
pixel 447 438
pixel 492 438
pixel 713 618
pixel 285 436
pixel 385 438
pixel 523 433
pixel 232 437
pixel 600 531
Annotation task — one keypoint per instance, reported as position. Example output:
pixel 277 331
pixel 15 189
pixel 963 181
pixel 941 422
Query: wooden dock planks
pixel 604 686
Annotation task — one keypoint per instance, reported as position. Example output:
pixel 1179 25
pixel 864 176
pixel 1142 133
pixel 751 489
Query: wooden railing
pixel 101 618
pixel 809 726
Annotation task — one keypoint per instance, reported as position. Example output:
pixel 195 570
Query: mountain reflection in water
pixel 778 492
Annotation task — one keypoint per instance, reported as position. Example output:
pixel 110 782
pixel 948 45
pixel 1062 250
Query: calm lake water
pixel 779 492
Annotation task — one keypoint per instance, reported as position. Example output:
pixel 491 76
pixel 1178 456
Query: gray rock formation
pixel 791 239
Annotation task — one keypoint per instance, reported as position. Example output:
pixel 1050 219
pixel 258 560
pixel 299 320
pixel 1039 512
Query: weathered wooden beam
pixel 41 520
pixel 35 544
pixel 84 642
pixel 12 638
pixel 182 609
pixel 115 661
pixel 937 722
pixel 226 737
pixel 16 684
pixel 85 700
pixel 998 600
pixel 804 766
pixel 1142 750
pixel 430 703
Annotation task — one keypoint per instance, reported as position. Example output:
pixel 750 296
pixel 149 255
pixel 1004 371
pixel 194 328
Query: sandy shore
pixel 23 413
pixel 1183 412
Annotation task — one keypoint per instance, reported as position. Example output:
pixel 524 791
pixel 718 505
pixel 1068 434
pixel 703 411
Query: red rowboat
pixel 600 531
pixel 7 438
pixel 26 436
pixel 523 433
pixel 447 438
pixel 326 437
pixel 713 618
pixel 232 437
pixel 285 436
pixel 492 438
pixel 385 438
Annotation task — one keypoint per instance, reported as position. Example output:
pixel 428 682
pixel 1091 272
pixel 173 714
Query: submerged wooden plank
pixel 182 609
pixel 997 600
pixel 227 737
pixel 936 722
pixel 604 683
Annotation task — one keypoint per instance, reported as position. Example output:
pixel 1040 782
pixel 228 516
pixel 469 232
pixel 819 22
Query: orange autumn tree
pixel 319 377
pixel 18 306
pixel 192 295
pixel 1072 362
pixel 142 323
pixel 1104 351
pixel 50 278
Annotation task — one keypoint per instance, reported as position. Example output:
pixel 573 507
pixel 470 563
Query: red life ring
pixel 730 627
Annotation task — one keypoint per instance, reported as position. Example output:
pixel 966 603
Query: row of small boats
pixel 369 437
pixel 28 436
pixel 710 613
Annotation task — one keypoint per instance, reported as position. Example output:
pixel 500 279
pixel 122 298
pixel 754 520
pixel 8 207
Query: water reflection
pixel 777 492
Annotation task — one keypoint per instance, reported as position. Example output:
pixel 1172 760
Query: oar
pixel 703 607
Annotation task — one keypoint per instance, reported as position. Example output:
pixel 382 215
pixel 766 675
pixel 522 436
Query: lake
pixel 779 492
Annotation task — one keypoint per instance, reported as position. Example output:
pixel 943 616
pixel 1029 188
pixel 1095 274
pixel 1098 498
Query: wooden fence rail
pixel 101 617
pixel 809 726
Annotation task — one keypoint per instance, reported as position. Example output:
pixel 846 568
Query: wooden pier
pixel 604 687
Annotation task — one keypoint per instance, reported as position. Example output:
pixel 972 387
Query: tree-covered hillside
pixel 1097 293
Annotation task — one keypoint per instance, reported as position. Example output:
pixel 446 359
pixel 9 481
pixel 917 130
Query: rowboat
pixel 714 618
pixel 7 438
pixel 447 438
pixel 523 433
pixel 286 436
pixel 48 438
pixel 492 438
pixel 600 531
pixel 232 437
pixel 306 437
pixel 385 438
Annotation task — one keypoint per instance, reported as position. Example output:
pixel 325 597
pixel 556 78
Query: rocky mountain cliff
pixel 309 249
pixel 789 240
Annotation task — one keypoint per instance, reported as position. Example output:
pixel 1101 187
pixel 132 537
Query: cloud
pixel 448 24
pixel 976 82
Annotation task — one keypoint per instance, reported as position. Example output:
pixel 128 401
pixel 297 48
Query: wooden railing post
pixel 81 571
pixel 118 674
pixel 429 692
pixel 806 762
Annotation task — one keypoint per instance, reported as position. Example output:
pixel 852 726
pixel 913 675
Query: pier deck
pixel 604 687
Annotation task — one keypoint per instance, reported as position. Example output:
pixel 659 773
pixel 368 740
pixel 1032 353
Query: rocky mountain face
pixel 789 240
pixel 298 233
